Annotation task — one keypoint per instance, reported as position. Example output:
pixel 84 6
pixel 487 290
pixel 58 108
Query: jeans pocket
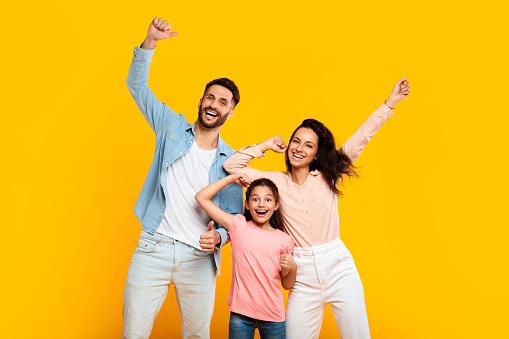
pixel 297 260
pixel 202 254
pixel 342 254
pixel 146 246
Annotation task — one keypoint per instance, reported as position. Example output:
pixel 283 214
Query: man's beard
pixel 219 121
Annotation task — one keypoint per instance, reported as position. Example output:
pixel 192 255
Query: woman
pixel 308 191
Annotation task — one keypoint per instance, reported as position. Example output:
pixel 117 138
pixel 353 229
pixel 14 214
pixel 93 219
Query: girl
pixel 261 256
pixel 327 273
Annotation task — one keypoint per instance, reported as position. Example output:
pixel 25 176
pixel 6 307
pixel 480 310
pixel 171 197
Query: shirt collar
pixel 313 173
pixel 221 145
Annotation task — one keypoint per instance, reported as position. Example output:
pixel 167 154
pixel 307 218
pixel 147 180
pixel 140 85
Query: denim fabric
pixel 157 262
pixel 174 137
pixel 243 327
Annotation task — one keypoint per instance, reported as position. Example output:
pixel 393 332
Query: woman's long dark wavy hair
pixel 332 162
pixel 276 220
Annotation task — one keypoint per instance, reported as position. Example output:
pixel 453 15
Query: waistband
pixel 161 238
pixel 303 251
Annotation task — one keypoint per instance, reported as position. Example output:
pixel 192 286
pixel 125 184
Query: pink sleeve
pixel 291 245
pixel 288 244
pixel 237 163
pixel 356 143
pixel 237 221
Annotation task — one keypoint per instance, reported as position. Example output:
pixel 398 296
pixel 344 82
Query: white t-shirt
pixel 184 219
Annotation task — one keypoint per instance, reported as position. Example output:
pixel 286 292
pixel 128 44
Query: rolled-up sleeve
pixel 356 143
pixel 155 112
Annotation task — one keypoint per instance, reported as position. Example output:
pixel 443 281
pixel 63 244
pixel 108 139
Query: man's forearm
pixel 148 44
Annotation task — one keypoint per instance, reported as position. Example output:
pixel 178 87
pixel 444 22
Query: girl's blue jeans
pixel 243 327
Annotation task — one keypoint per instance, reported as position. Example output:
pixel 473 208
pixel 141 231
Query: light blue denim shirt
pixel 174 137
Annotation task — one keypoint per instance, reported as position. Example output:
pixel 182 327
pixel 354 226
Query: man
pixel 176 246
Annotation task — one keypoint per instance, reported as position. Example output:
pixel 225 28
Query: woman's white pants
pixel 326 274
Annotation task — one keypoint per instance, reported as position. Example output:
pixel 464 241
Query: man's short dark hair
pixel 227 83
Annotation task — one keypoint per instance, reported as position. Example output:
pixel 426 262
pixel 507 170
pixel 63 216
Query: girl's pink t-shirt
pixel 255 290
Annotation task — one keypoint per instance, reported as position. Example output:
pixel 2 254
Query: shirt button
pixel 166 163
pixel 180 152
pixel 190 142
pixel 171 136
pixel 162 213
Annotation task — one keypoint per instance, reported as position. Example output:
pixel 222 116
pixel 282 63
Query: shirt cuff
pixel 224 236
pixel 386 110
pixel 143 54
pixel 257 153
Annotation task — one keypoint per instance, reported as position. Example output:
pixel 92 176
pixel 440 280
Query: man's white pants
pixel 326 274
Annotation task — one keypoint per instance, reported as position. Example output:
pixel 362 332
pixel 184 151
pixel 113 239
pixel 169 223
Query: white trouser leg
pixel 326 274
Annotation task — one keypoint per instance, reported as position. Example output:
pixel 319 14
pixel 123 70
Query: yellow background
pixel 426 222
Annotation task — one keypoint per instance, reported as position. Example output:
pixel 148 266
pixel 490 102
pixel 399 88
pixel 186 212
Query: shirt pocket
pixel 172 139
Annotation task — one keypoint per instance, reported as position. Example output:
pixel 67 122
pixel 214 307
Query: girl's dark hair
pixel 276 220
pixel 332 162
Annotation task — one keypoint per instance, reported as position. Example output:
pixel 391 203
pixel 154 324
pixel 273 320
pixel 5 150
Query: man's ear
pixel 199 104
pixel 230 115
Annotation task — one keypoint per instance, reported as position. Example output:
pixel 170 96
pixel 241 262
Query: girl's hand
pixel 241 179
pixel 286 261
pixel 276 144
pixel 399 92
